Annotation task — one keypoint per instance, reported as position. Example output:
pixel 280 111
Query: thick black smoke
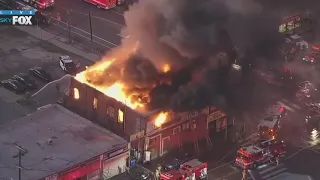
pixel 192 35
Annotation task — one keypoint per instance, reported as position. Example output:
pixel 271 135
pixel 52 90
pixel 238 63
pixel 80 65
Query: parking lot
pixel 20 52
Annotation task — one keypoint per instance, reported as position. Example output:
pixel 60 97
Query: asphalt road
pixel 106 24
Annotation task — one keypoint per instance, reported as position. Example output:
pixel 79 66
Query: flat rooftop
pixel 74 140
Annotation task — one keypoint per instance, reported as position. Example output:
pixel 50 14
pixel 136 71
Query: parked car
pixel 14 85
pixel 26 80
pixel 68 65
pixel 41 73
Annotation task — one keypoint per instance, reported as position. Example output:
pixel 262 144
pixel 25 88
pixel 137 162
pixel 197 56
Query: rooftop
pixel 73 140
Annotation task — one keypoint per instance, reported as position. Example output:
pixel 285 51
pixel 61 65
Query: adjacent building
pixel 57 144
pixel 139 127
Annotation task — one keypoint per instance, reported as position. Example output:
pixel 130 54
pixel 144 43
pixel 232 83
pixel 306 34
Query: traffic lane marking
pixel 84 34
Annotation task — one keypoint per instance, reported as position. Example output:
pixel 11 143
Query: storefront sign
pixel 215 115
pixel 188 116
pixel 147 156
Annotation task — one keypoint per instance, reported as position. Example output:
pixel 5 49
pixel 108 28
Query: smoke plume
pixel 199 36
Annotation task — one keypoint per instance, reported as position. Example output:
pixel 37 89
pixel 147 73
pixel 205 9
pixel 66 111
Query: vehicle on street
pixel 307 85
pixel 252 156
pixel 14 85
pixel 174 164
pixel 310 58
pixel 298 41
pixel 38 4
pixel 177 175
pixel 105 4
pixel 313 107
pixel 269 125
pixel 26 80
pixel 40 73
pixel 68 65
pixel 197 167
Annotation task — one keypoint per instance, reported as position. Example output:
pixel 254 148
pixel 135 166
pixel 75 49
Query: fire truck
pixel 25 4
pixel 197 167
pixel 105 4
pixel 252 156
pixel 269 125
pixel 177 175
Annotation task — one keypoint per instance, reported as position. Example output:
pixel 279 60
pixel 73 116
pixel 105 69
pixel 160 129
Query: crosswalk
pixel 268 171
pixel 289 105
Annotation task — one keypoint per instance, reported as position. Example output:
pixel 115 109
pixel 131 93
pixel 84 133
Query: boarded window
pixel 120 116
pixel 95 103
pixel 110 112
pixel 76 93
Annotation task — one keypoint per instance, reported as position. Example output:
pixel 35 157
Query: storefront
pixel 217 121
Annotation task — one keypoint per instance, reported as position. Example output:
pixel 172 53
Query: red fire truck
pixel 252 156
pixel 38 4
pixel 177 175
pixel 197 167
pixel 269 125
pixel 105 4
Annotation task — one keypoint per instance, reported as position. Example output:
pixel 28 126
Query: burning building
pixel 161 87
pixel 137 111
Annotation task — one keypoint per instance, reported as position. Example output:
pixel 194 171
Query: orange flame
pixel 160 119
pixel 115 90
pixel 166 68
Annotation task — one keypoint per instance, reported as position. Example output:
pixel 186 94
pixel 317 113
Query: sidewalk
pixel 223 151
pixel 58 41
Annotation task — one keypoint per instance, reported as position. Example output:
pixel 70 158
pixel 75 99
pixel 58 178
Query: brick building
pixel 138 127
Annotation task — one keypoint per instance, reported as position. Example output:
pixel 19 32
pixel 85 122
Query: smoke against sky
pixel 183 30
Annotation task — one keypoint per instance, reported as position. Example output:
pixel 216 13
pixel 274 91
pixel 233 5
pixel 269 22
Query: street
pixel 106 24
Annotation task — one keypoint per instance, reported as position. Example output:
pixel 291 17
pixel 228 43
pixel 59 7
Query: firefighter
pixel 244 175
pixel 158 171
pixel 58 17
pixel 277 159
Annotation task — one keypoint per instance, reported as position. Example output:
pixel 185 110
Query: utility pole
pixel 90 23
pixel 22 152
pixel 69 25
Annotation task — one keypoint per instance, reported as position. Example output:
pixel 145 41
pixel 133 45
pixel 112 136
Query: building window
pixel 193 125
pixel 176 130
pixel 95 103
pixel 185 126
pixel 120 116
pixel 76 93
pixel 110 111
